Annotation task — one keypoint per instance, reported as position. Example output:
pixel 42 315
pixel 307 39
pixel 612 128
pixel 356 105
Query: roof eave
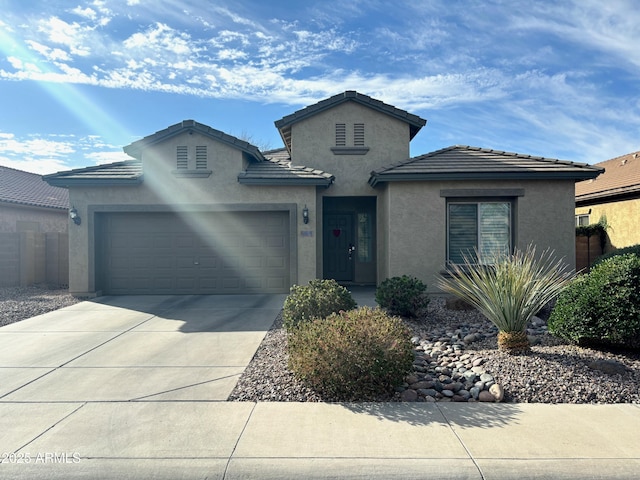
pixel 444 176
pixel 281 182
pixel 93 182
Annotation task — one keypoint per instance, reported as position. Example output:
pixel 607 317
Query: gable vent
pixel 358 135
pixel 341 134
pixel 182 157
pixel 201 157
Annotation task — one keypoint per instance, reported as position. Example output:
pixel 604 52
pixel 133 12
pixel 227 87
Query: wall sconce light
pixel 305 214
pixel 73 214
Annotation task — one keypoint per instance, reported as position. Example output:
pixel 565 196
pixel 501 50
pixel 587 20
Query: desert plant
pixel 403 295
pixel 509 290
pixel 355 355
pixel 603 306
pixel 318 299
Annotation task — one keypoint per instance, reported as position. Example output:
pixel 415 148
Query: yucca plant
pixel 509 290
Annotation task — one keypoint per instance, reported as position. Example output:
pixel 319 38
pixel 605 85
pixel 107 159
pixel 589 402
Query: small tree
pixel 509 291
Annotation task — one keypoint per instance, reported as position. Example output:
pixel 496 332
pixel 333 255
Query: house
pixel 28 203
pixel 198 211
pixel 34 218
pixel 614 196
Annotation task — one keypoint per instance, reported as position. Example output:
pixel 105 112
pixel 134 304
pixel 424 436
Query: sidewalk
pixel 123 389
pixel 222 440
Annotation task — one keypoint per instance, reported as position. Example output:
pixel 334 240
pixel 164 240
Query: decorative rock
pixel 409 396
pixel 497 391
pixel 474 391
pixel 477 362
pixel 472 337
pixel 485 377
pixel 447 393
pixel 485 396
pixel 610 367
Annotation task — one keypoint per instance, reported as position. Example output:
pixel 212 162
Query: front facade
pixel 613 197
pixel 197 211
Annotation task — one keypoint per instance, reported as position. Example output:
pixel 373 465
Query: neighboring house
pixel 28 203
pixel 199 211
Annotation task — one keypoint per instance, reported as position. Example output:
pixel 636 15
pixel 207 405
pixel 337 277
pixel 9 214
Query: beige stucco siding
pixel 623 218
pixel 163 191
pixel 14 218
pixel 417 223
pixel 313 138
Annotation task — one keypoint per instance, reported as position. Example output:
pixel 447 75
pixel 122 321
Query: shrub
pixel 603 306
pixel 355 355
pixel 635 249
pixel 318 299
pixel 509 291
pixel 403 295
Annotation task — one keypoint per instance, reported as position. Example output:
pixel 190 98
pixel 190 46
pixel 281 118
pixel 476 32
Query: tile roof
pixel 284 124
pixel 24 188
pixel 128 172
pixel 277 170
pixel 621 177
pixel 135 149
pixel 461 162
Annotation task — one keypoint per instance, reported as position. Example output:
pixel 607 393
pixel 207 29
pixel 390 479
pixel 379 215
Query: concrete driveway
pixel 135 348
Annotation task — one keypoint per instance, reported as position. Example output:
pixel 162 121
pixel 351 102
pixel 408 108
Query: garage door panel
pixel 243 252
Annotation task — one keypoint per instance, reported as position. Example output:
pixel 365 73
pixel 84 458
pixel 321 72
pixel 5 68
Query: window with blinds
pixel 482 227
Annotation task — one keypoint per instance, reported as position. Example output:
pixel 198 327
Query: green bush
pixel 635 249
pixel 318 299
pixel 355 355
pixel 603 306
pixel 403 295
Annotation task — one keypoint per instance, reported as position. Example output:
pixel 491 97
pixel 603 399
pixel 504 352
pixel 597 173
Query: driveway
pixel 135 348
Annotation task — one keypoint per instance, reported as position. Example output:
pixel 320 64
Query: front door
pixel 339 246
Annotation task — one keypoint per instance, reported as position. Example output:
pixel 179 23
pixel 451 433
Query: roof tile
pixel 621 177
pixel 24 188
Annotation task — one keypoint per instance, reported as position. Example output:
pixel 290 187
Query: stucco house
pixel 614 196
pixel 28 203
pixel 198 211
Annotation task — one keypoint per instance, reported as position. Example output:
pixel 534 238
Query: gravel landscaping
pixel 18 303
pixel 457 360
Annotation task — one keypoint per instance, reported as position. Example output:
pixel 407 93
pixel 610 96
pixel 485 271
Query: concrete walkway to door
pixel 135 388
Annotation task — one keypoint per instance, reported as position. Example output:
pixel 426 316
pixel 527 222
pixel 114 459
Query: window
pixel 182 157
pixel 365 240
pixel 341 134
pixel 582 220
pixel 481 226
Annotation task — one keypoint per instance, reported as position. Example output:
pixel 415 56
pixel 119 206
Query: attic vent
pixel 182 157
pixel 358 135
pixel 341 134
pixel 623 162
pixel 201 157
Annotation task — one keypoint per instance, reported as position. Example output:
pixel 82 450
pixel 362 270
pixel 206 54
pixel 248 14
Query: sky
pixel 79 79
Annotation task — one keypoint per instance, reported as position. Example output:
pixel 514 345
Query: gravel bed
pixel 553 372
pixel 18 303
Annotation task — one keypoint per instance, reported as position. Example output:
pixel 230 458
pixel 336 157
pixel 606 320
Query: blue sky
pixel 81 79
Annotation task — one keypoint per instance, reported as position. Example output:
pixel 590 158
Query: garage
pixel 142 253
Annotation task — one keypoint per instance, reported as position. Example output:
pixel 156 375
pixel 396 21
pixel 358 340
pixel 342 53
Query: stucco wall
pixel 623 219
pixel 417 223
pixel 161 188
pixel 313 138
pixel 42 219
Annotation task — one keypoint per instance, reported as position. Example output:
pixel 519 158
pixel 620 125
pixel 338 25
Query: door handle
pixel 351 249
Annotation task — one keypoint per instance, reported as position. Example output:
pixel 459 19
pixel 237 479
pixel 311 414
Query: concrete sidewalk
pixel 124 388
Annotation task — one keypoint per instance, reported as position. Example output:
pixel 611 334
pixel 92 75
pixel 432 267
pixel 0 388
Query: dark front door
pixel 339 246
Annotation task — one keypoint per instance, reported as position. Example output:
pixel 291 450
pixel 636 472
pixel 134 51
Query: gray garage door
pixel 204 253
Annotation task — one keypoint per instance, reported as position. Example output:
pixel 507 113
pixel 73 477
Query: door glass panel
pixel 364 238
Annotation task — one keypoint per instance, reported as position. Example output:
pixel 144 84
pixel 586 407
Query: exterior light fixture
pixel 305 214
pixel 73 214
